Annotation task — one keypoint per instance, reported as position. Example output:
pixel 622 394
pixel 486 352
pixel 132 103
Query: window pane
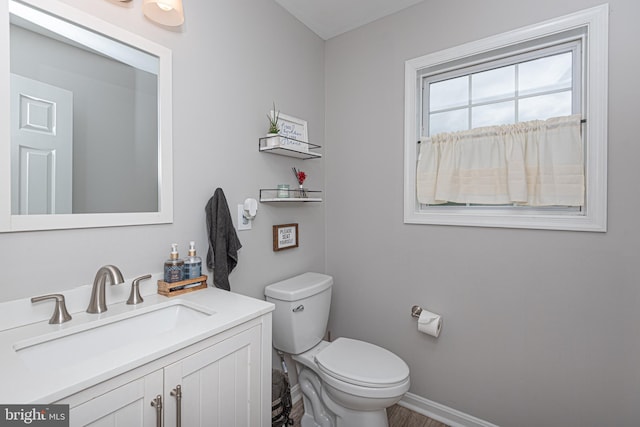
pixel 494 85
pixel 545 74
pixel 449 93
pixel 545 106
pixel 450 121
pixel 493 114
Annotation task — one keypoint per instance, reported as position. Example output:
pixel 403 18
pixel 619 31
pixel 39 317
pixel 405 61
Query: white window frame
pixel 595 49
pixel 573 45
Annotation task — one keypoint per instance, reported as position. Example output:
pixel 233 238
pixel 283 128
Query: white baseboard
pixel 439 412
pixel 426 407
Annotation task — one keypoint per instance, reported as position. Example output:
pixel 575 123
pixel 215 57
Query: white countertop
pixel 22 384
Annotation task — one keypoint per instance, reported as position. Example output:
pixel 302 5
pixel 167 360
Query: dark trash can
pixel 280 399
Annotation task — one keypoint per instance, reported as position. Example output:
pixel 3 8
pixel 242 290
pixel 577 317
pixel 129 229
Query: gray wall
pixel 540 327
pixel 231 60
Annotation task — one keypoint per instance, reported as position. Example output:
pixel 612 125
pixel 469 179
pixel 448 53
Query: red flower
pixel 301 177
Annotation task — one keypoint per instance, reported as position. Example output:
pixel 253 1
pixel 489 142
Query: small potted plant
pixel 274 128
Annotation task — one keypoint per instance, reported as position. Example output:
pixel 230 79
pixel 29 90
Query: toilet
pixel 344 383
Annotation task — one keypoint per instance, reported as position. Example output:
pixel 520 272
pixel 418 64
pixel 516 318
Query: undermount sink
pixel 70 346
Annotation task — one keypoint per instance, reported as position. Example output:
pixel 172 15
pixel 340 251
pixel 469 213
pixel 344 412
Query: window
pixel 533 86
pixel 553 69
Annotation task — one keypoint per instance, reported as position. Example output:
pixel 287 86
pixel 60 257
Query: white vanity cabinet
pixel 220 385
pixel 128 404
pixel 222 382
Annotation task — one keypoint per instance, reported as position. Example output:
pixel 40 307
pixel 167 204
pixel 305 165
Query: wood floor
pixel 398 417
pixel 402 417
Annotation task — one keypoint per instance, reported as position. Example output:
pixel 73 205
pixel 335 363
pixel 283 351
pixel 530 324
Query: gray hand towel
pixel 224 244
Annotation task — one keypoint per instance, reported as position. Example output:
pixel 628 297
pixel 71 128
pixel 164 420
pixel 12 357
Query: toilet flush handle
pixel 298 308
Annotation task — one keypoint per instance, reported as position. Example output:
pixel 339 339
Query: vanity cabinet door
pixel 125 406
pixel 220 385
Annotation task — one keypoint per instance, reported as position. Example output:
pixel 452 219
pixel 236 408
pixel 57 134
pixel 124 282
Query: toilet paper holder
pixel 428 323
pixel 415 311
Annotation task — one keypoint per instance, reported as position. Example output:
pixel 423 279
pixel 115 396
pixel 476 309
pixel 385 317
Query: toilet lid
pixel 362 363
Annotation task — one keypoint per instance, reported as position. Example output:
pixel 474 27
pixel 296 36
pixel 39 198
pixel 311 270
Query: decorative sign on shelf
pixel 285 236
pixel 293 133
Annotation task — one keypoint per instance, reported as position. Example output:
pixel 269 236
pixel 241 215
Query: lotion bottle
pixel 174 266
pixel 192 263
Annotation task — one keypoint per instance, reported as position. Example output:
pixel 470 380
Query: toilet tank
pixel 302 311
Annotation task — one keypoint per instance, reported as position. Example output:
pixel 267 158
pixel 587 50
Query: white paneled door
pixel 41 147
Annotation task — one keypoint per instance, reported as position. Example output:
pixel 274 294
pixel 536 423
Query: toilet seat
pixel 362 368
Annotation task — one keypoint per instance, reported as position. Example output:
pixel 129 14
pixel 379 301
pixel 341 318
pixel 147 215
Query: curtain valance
pixel 535 163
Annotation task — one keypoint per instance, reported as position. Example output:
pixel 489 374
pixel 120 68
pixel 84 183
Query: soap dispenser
pixel 192 264
pixel 174 266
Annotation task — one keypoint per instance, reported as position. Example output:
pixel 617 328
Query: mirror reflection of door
pixel 41 147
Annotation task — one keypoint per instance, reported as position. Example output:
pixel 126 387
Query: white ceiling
pixel 329 18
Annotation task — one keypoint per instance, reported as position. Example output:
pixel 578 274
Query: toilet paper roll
pixel 430 323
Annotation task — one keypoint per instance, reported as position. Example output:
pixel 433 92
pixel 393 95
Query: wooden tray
pixel 182 287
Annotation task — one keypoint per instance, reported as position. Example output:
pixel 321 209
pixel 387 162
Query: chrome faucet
pixel 98 302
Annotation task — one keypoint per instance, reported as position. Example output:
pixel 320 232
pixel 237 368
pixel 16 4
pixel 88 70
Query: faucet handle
pixel 134 296
pixel 60 313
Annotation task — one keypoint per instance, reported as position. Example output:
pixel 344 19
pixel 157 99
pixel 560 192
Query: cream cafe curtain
pixel 536 163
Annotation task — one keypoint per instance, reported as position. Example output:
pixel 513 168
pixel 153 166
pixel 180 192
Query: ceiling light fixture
pixel 165 12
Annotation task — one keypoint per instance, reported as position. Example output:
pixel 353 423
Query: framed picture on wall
pixel 285 236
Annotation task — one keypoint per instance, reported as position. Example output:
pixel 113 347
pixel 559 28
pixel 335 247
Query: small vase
pixel 303 192
pixel 283 191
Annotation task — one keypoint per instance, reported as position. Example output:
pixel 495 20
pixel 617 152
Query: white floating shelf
pixel 291 199
pixel 269 195
pixel 290 147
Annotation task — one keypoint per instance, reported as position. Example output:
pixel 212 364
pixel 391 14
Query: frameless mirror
pixel 88 134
